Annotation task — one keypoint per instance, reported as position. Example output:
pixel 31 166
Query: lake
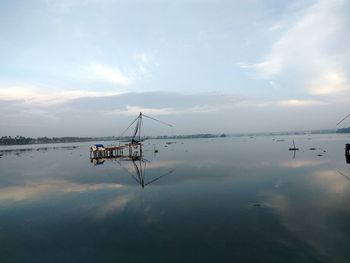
pixel 234 199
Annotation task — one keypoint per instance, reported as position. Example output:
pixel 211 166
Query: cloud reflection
pixel 115 205
pixel 321 198
pixel 302 163
pixel 49 187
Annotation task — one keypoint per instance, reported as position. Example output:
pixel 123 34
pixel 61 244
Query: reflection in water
pixel 139 165
pixel 345 176
pixel 229 202
pixel 347 153
pixel 302 163
pixel 44 188
pixel 347 159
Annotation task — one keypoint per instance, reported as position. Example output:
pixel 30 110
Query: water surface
pixel 238 199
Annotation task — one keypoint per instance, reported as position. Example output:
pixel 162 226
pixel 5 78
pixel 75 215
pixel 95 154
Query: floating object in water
pixel 312 149
pixel 154 149
pixel 319 155
pixel 294 148
pixel 280 140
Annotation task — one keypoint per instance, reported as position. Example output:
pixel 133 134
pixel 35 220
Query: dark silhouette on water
pixel 129 149
pixel 138 134
pixel 294 148
pixel 139 164
pixel 347 152
pixel 347 159
pixel 140 169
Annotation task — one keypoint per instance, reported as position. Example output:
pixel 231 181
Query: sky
pixel 87 68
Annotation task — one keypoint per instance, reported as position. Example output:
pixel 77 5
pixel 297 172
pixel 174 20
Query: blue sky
pixel 86 68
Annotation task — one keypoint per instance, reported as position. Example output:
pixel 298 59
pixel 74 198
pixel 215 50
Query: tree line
pixel 21 140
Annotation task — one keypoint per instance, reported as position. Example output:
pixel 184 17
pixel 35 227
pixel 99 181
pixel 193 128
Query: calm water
pixel 205 200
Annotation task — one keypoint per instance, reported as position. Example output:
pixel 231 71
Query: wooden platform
pixel 128 150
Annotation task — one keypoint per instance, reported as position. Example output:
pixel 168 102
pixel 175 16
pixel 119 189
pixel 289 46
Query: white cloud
pixel 305 56
pixel 43 95
pixel 109 74
pixel 333 82
pixel 114 75
pixel 135 110
pixel 299 103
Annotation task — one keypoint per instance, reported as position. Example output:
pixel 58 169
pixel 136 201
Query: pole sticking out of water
pixel 294 148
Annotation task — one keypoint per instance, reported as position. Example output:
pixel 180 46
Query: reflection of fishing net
pixel 139 174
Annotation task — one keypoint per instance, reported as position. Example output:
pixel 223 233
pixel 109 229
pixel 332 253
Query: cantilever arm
pixel 129 126
pixel 343 119
pixel 167 124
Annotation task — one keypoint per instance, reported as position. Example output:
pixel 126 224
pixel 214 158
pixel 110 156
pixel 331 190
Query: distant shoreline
pixel 21 140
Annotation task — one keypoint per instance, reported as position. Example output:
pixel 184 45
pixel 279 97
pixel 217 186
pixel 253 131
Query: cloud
pixel 299 103
pixel 109 74
pixel 167 101
pixel 31 94
pixel 307 55
pixel 140 69
pixel 333 82
pixel 111 112
pixel 134 110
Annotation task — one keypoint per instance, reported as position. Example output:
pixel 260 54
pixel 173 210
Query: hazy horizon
pixel 87 68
